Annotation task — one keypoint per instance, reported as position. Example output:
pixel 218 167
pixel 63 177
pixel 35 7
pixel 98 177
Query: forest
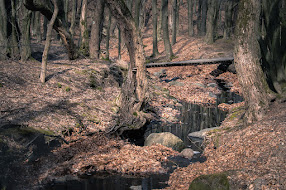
pixel 143 94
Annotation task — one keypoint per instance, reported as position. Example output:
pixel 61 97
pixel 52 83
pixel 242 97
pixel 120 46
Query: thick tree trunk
pixel 14 38
pixel 204 10
pixel 174 26
pixel 154 21
pixel 45 25
pixel 137 12
pixel 3 31
pixel 96 30
pixel 134 87
pixel 26 37
pixel 37 26
pixel 190 17
pixel 247 61
pixel 84 35
pixel 228 23
pixel 73 17
pixel 45 7
pixel 166 37
pixel 48 42
pixel 213 12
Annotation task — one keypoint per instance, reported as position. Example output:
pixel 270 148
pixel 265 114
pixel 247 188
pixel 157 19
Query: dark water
pixel 192 118
pixel 110 183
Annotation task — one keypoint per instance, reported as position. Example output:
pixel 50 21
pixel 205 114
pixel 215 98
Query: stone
pixel 199 85
pixel 166 139
pixel 210 182
pixel 231 68
pixel 187 153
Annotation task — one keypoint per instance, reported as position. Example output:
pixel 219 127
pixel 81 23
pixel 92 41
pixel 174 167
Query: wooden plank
pixel 191 62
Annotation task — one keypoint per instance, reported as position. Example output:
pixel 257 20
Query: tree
pixel 131 115
pixel 155 35
pixel 247 58
pixel 190 17
pixel 84 35
pixel 48 42
pixel 46 8
pixel 26 37
pixel 175 17
pixel 203 8
pixel 166 37
pixel 228 23
pixel 3 31
pixel 96 30
pixel 73 17
pixel 213 12
pixel 108 34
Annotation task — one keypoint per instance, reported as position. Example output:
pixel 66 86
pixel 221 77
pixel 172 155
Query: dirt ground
pixel 79 101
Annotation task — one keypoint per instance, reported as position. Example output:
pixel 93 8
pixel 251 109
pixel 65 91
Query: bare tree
pixel 26 35
pixel 155 36
pixel 131 116
pixel 48 42
pixel 175 18
pixel 3 31
pixel 190 17
pixel 96 30
pixel 166 37
pixel 84 35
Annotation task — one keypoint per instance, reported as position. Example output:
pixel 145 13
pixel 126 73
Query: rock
pixel 167 139
pixel 161 73
pixel 231 68
pixel 210 182
pixel 176 83
pixel 202 133
pixel 199 85
pixel 187 153
pixel 213 85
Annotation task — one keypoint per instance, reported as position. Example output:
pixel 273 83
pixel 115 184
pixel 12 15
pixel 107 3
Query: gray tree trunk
pixel 73 17
pixel 154 21
pixel 26 37
pixel 84 35
pixel 228 23
pixel 14 38
pixel 204 9
pixel 175 18
pixel 131 115
pixel 119 42
pixel 213 12
pixel 166 37
pixel 3 31
pixel 48 42
pixel 247 58
pixel 96 30
pixel 108 33
pixel 190 17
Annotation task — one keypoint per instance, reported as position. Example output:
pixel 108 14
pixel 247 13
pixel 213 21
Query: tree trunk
pixel 155 39
pixel 84 35
pixel 228 24
pixel 73 17
pixel 134 87
pixel 119 42
pixel 137 12
pixel 204 10
pixel 247 61
pixel 66 9
pixel 45 7
pixel 3 31
pixel 166 38
pixel 96 30
pixel 26 37
pixel 48 42
pixel 108 34
pixel 45 24
pixel 37 26
pixel 190 17
pixel 14 38
pixel 213 12
pixel 174 26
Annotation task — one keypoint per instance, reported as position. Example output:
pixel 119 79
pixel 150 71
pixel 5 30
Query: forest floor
pixel 79 101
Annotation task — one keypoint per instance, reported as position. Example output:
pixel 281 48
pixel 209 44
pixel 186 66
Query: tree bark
pixel 73 17
pixel 155 36
pixel 14 38
pixel 84 35
pixel 3 31
pixel 247 58
pixel 26 37
pixel 96 30
pixel 190 17
pixel 213 12
pixel 119 42
pixel 45 7
pixel 48 42
pixel 108 34
pixel 174 26
pixel 204 9
pixel 166 37
pixel 134 87
pixel 228 23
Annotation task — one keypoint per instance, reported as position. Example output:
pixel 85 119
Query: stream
pixel 192 118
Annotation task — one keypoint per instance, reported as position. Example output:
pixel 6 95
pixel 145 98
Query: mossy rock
pixel 210 182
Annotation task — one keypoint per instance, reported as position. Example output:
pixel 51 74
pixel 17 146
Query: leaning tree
pixel 133 92
pixel 46 7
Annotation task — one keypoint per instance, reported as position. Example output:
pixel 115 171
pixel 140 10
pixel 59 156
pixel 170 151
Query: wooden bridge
pixel 192 62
